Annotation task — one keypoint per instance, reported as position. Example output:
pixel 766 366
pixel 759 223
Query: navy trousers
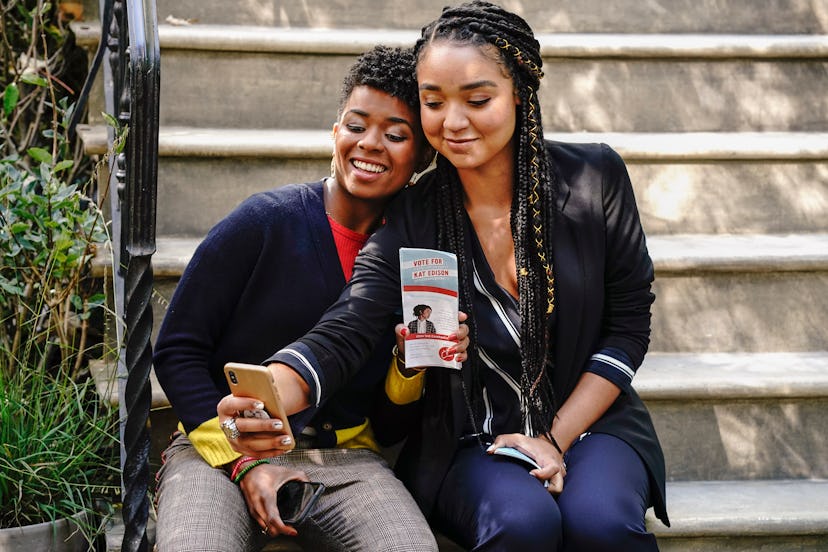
pixel 492 503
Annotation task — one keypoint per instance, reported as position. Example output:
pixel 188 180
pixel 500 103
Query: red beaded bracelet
pixel 237 467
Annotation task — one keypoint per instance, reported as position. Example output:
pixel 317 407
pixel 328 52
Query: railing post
pixel 133 90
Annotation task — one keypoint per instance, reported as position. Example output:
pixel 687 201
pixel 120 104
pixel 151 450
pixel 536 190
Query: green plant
pixel 59 450
pixel 39 65
pixel 58 439
pixel 48 234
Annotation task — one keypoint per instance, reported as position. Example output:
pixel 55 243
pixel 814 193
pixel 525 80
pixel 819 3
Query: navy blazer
pixel 603 291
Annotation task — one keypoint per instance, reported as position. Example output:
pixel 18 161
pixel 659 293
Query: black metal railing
pixel 129 33
pixel 135 68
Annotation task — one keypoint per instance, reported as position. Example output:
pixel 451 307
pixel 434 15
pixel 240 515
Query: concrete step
pixel 714 293
pixel 731 516
pixel 719 416
pixel 596 83
pixel 728 293
pixel 724 416
pixel 715 297
pixel 672 255
pixel 706 516
pixel 563 16
pixel 726 514
pixel 685 182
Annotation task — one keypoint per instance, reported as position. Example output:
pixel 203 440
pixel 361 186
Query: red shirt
pixel 348 243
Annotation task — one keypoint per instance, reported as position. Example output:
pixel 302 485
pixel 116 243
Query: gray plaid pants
pixel 364 507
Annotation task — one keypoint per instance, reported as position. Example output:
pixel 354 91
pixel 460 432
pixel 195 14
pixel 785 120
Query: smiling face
pixel 467 105
pixel 376 145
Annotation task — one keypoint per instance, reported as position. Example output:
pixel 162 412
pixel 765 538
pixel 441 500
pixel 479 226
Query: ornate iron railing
pixel 129 33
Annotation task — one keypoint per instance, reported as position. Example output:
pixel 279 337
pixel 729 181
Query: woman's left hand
pixel 552 466
pixel 260 487
pixel 459 336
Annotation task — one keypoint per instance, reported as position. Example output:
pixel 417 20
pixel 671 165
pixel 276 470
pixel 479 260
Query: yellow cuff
pixel 400 389
pixel 361 436
pixel 210 442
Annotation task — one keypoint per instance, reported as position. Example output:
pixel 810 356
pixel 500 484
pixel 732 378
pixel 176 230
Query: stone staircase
pixel 721 112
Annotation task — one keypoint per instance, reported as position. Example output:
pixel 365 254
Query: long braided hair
pixel 494 29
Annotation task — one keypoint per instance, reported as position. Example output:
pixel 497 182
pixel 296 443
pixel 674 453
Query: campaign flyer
pixel 430 306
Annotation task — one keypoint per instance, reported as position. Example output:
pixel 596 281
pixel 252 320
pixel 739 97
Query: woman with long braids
pixel 556 279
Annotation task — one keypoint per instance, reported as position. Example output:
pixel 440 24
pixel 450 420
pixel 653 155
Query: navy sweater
pixel 260 279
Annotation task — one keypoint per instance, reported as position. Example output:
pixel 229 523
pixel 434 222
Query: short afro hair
pixel 387 69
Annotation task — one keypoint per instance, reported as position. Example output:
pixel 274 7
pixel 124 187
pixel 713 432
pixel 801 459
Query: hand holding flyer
pixel 430 306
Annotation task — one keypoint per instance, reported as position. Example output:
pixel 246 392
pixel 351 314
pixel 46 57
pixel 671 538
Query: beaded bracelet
pixel 249 466
pixel 237 466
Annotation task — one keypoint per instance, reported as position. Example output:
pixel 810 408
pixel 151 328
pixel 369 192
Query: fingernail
pixel 258 405
pixel 452 351
pixel 404 332
pixel 278 424
pixel 453 338
pixel 286 440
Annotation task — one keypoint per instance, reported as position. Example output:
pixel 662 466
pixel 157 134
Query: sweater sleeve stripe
pixel 309 367
pixel 614 363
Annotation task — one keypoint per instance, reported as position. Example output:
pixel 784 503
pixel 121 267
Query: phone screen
pixel 296 498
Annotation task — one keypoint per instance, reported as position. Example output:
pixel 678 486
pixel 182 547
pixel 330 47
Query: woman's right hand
pixel 257 437
pixel 552 466
pixel 259 487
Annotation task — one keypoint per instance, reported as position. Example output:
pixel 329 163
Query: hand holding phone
pixel 295 500
pixel 254 381
pixel 515 454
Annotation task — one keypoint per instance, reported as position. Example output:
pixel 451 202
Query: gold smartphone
pixel 254 381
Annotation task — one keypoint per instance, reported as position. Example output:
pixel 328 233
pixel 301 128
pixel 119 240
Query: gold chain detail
pixel 534 201
pixel 534 196
pixel 515 51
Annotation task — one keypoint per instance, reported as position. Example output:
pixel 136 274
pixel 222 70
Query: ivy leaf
pixel 67 115
pixel 10 96
pixel 40 155
pixel 46 171
pixel 63 165
pixel 8 287
pixel 110 120
pixel 19 227
pixel 35 79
